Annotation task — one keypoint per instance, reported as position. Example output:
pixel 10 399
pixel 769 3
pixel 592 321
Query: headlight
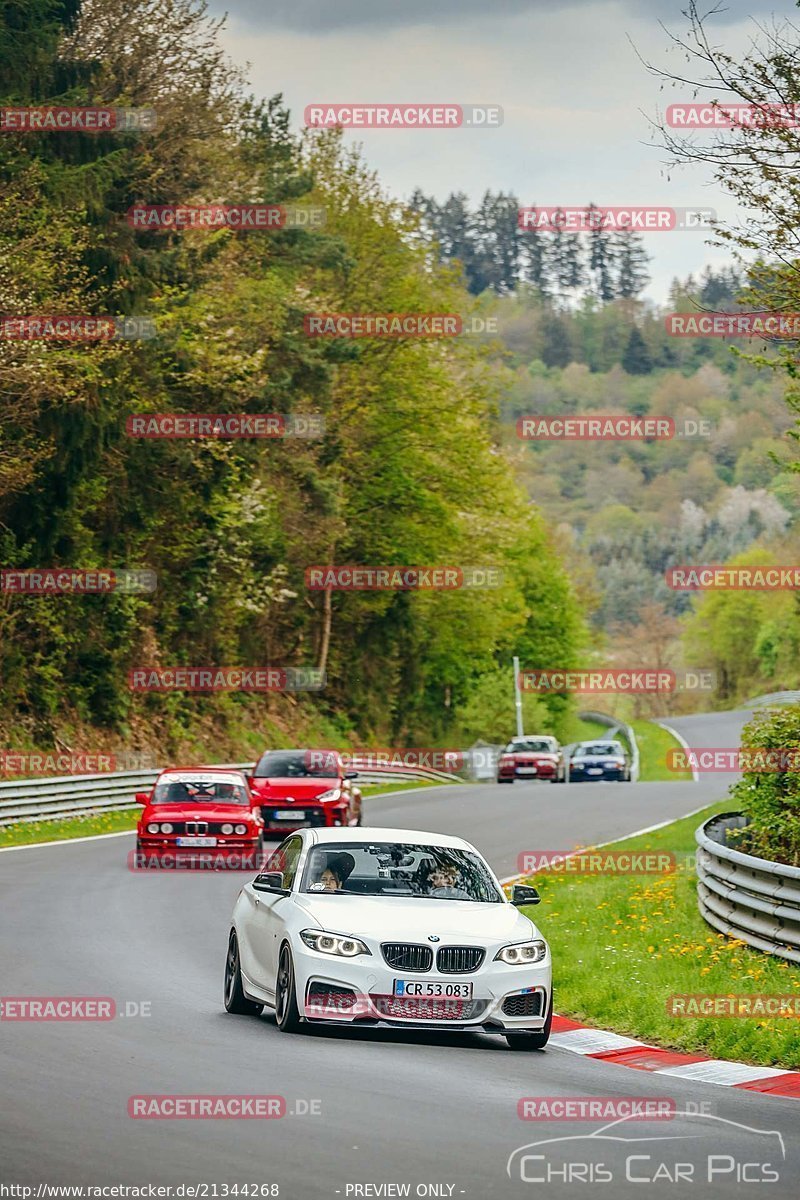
pixel 331 794
pixel 522 952
pixel 240 829
pixel 333 943
pixel 152 829
pixel 226 828
pixel 166 827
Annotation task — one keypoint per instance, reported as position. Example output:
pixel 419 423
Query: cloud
pixel 314 17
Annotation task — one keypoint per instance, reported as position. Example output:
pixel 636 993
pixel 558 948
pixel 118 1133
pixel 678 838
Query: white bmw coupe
pixel 391 927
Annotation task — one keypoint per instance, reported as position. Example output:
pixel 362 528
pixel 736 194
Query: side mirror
pixel 270 881
pixel 521 894
pixel 142 797
pixel 351 774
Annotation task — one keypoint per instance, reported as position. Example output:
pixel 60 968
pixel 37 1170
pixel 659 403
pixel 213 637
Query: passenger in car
pixel 337 872
pixel 442 883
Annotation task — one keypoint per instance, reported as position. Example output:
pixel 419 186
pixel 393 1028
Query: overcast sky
pixel 574 94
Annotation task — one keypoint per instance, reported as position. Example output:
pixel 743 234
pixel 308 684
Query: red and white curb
pixel 627 1052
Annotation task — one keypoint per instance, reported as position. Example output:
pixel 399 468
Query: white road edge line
pixel 92 837
pixel 682 741
pixel 599 846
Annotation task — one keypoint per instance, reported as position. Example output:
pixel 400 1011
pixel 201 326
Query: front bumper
pixel 612 774
pixel 316 816
pixel 542 771
pixel 370 984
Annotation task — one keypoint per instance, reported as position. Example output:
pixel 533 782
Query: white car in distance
pixel 391 927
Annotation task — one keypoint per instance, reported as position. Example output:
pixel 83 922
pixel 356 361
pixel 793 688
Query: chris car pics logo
pixel 697 1149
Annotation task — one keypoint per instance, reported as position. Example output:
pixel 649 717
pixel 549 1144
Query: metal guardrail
pixel 772 698
pixel 616 726
pixel 752 899
pixel 78 795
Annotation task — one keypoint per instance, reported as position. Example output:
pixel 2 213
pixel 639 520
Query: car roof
pixel 332 835
pixel 299 750
pixel 601 742
pixel 203 771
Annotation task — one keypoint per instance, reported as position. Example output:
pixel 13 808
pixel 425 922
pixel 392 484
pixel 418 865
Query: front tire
pixel 287 1013
pixel 533 1041
pixel 235 999
pixel 505 780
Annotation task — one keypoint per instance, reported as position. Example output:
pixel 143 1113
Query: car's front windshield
pixel 297 764
pixel 399 869
pixel 187 788
pixel 601 748
pixel 538 745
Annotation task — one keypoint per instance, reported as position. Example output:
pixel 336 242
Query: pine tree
pixel 632 262
pixel 601 257
pixel 636 359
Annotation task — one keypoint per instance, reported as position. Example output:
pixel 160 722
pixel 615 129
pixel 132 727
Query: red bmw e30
pixel 200 816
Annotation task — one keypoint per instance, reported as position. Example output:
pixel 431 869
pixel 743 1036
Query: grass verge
pixel 28 833
pixel 623 944
pixel 654 744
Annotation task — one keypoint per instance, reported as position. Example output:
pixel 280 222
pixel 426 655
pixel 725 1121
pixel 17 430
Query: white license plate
pixel 290 814
pixel 594 770
pixel 196 841
pixel 431 989
pixel 527 770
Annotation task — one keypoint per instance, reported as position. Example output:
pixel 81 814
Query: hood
pixel 292 789
pixel 400 918
pixel 198 812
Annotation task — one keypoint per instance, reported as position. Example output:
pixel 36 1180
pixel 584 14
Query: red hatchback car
pixel 529 758
pixel 301 788
pixel 200 815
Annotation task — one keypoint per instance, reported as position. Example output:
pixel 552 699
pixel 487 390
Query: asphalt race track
pixel 391 1107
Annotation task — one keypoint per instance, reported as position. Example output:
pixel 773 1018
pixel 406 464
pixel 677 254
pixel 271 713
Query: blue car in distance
pixel 595 761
